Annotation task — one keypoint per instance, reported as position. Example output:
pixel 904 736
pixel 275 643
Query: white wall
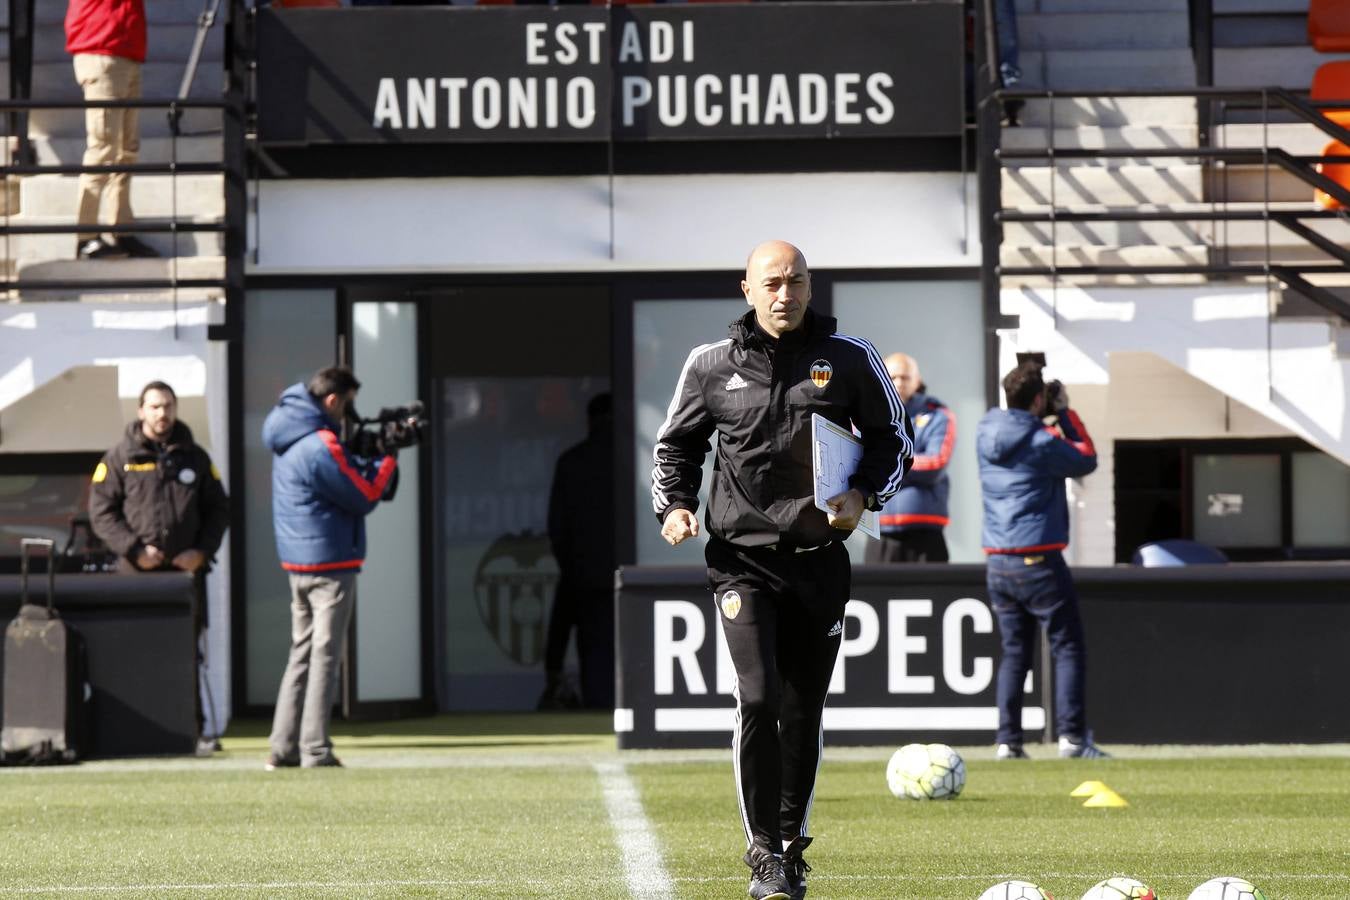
pixel 663 223
pixel 1176 362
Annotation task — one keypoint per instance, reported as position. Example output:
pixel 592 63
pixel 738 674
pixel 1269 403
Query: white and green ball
pixel 1016 890
pixel 1120 888
pixel 1227 888
pixel 926 772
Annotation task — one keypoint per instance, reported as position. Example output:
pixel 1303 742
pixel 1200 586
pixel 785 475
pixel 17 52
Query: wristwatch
pixel 870 501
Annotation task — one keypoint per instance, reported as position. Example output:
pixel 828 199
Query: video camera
pixel 391 429
pixel 1053 389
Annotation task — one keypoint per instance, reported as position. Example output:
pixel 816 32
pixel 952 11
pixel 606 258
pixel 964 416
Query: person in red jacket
pixel 106 39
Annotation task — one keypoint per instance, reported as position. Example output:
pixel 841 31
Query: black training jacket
pixel 166 495
pixel 758 395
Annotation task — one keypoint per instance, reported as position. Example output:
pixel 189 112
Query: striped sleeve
pixel 880 417
pixel 682 443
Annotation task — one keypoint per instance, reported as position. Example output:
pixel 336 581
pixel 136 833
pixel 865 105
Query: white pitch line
pixel 643 867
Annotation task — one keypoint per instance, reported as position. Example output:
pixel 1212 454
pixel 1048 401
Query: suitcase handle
pixel 25 547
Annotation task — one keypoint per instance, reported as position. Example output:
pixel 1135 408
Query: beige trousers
pixel 112 136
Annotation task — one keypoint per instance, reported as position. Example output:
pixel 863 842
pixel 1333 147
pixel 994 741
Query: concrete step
pixel 1075 185
pixel 1092 255
pixel 1081 30
pixel 1106 69
pixel 95 270
pixel 1235 235
pixel 1238 7
pixel 10 202
pixel 1089 138
pixel 1288 67
pixel 29 248
pixel 1274 30
pixel 69 149
pixel 1030 7
pixel 1297 138
pixel 1103 112
pixel 1249 184
pixel 121 269
pixel 165 42
pixel 1107 234
pixel 151 195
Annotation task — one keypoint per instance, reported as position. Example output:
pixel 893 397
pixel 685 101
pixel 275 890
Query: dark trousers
pixel 1027 592
pixel 782 614
pixel 591 612
pixel 913 545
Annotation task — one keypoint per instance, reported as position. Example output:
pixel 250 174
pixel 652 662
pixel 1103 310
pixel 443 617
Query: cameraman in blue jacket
pixel 1023 465
pixel 321 495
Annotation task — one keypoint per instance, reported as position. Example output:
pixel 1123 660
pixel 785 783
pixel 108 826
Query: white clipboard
pixel 836 454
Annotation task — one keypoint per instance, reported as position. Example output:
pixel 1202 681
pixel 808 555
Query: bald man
pixel 777 565
pixel 912 520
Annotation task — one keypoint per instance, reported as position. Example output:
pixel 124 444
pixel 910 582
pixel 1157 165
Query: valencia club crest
pixel 821 370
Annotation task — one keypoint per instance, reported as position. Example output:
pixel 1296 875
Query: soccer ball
pixel 1120 888
pixel 1227 888
pixel 926 772
pixel 1016 890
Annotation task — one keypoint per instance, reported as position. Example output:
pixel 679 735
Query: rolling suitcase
pixel 45 689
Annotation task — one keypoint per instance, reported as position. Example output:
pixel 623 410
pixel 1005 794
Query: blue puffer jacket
pixel 320 494
pixel 1022 470
pixel 921 501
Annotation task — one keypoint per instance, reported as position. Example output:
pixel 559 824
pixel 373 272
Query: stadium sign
pixel 915 662
pixel 435 75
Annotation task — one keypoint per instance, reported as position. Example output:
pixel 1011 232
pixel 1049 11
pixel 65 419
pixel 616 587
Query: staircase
pixel 58 138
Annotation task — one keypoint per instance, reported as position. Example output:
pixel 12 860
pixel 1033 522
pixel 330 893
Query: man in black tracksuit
pixel 779 572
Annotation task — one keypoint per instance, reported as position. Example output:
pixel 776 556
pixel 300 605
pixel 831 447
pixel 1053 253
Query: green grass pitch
pixel 516 806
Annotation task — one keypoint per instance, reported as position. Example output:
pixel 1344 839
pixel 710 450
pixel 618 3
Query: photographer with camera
pixel 322 492
pixel 1023 465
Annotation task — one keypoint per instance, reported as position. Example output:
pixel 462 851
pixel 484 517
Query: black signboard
pixel 438 75
pixel 1207 654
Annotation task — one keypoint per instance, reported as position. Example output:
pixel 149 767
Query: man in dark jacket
pixel 777 565
pixel 156 499
pixel 321 495
pixel 1023 465
pixel 583 545
pixel 157 502
pixel 912 520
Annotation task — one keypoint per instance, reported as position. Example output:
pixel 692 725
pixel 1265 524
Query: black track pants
pixel 782 613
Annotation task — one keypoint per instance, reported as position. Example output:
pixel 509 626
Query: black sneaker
pixel 97 248
pixel 137 248
pixel 795 868
pixel 275 762
pixel 767 881
pixel 329 761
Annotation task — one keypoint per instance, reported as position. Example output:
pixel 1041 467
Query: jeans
pixel 1026 592
pixel 1005 21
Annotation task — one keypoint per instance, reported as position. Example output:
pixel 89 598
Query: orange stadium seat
pixel 1331 81
pixel 1337 172
pixel 1329 26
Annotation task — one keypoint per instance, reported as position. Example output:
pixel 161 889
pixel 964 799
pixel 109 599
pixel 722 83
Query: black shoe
pixel 767 881
pixel 97 248
pixel 329 761
pixel 275 762
pixel 795 868
pixel 137 248
pixel 1012 110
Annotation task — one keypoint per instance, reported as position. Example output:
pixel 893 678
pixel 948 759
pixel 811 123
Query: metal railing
pixel 1302 167
pixel 9 168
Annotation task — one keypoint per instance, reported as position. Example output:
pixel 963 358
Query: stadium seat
pixel 1336 172
pixel 1331 81
pixel 1329 26
pixel 1177 552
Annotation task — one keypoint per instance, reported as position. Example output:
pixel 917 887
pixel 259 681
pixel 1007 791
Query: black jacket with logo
pixel 168 495
pixel 758 395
